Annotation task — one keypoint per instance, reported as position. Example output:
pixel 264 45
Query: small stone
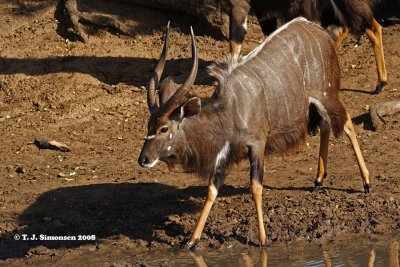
pixel 20 170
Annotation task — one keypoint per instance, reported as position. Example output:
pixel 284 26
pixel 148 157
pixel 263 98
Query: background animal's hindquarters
pixel 268 24
pixel 323 155
pixel 375 36
pixel 349 130
pixel 256 157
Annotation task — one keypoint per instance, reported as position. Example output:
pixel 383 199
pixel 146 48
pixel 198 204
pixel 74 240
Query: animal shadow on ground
pixel 27 8
pixel 104 210
pixel 110 70
pixel 311 188
pixel 146 19
pixel 358 91
pixel 365 120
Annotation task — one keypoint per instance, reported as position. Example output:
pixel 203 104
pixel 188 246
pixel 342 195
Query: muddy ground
pixel 92 97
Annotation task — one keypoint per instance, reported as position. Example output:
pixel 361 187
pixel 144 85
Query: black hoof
pixel 367 188
pixel 317 186
pixel 316 189
pixel 379 87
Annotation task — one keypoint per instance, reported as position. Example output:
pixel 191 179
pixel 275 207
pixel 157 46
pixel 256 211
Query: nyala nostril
pixel 143 161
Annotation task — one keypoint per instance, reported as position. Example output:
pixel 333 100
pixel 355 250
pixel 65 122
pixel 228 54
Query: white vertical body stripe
pixel 222 154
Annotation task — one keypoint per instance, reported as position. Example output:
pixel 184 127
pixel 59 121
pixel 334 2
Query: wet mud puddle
pixel 357 251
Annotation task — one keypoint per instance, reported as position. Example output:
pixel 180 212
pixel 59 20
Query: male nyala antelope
pixel 265 103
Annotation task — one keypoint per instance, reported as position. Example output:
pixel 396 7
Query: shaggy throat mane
pixel 207 148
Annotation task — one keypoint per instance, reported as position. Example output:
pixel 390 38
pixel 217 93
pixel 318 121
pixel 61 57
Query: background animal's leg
pixel 349 130
pixel 215 182
pixel 341 35
pixel 323 155
pixel 375 36
pixel 238 26
pixel 256 156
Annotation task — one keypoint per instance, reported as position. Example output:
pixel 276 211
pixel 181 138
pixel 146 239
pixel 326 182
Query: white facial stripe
pixel 150 137
pixel 170 136
pixel 152 164
pixel 169 148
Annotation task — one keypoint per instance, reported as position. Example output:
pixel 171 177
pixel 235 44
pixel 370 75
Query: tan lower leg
pixel 256 190
pixel 235 49
pixel 211 196
pixel 340 37
pixel 349 130
pixel 375 37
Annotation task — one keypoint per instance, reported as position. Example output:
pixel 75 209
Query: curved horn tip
pixel 193 38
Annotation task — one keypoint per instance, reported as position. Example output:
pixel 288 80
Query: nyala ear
pixel 191 108
pixel 167 89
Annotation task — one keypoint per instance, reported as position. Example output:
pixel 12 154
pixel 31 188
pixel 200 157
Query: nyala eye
pixel 164 129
